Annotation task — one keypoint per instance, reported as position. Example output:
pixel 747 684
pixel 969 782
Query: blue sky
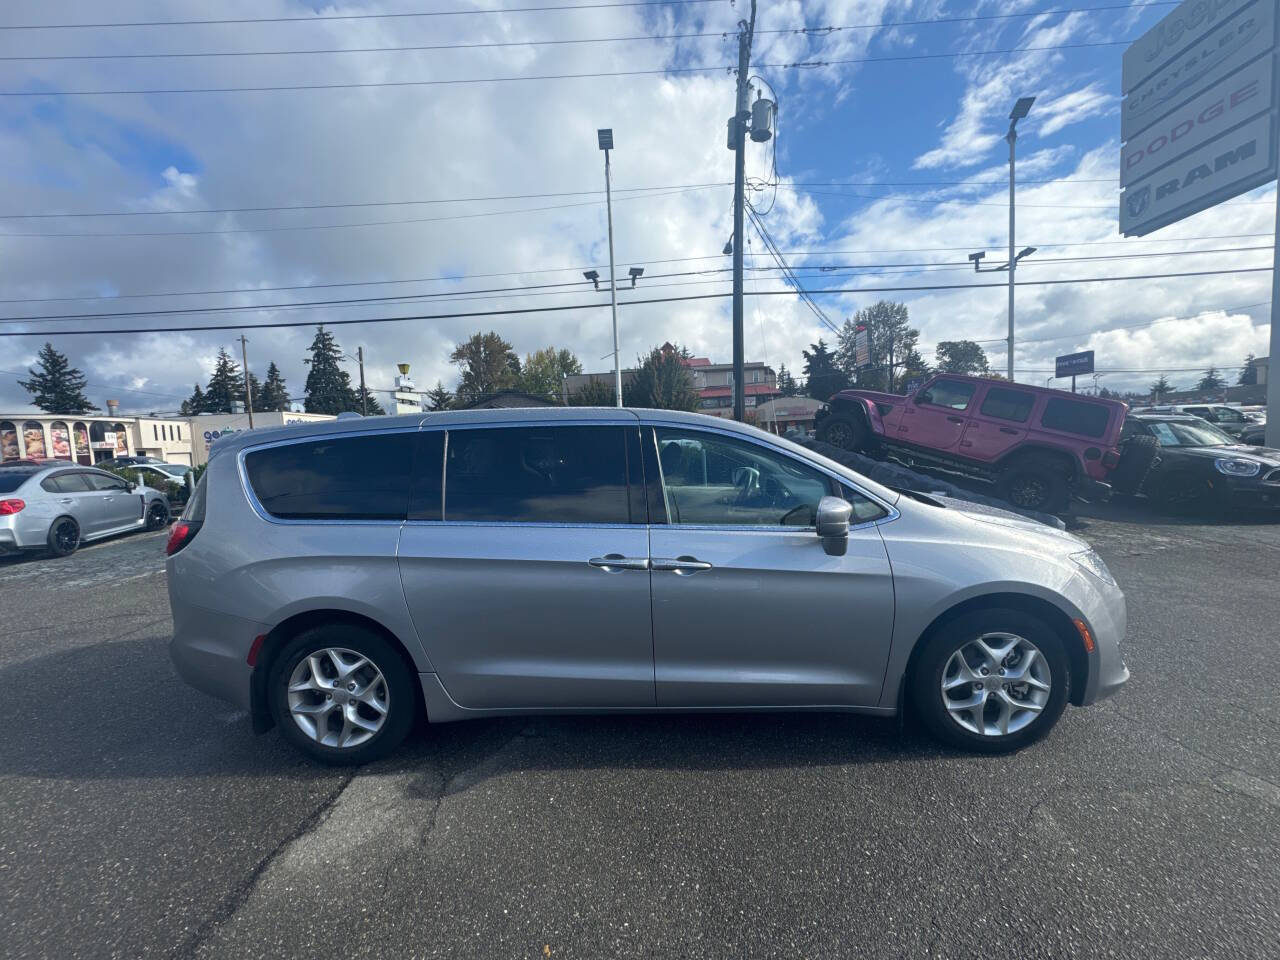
pixel 920 122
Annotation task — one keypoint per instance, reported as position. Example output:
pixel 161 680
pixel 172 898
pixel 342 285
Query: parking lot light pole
pixel 605 139
pixel 1020 110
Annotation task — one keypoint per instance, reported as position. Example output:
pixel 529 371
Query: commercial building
pixel 785 413
pixel 89 439
pixel 208 427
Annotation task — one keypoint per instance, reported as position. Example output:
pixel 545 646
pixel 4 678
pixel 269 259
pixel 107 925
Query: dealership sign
pixel 862 347
pixel 1073 364
pixel 1198 115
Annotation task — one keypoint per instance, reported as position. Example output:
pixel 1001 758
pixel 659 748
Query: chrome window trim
pixel 892 512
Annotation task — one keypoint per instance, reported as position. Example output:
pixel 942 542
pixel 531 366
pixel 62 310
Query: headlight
pixel 1090 561
pixel 1237 468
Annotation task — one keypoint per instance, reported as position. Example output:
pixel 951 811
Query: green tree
pixel 57 387
pixel 1160 386
pixel 225 385
pixel 368 404
pixel 439 398
pixel 823 376
pixel 1248 373
pixel 273 395
pixel 593 393
pixel 194 404
pixel 892 340
pixel 328 386
pixel 488 364
pixel 544 371
pixel 1212 380
pixel 663 381
pixel 961 356
pixel 786 382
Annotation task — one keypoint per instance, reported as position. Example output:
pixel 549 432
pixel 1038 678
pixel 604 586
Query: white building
pixel 208 427
pixel 90 438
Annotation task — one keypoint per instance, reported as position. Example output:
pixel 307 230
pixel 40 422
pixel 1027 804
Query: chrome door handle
pixel 66 500
pixel 682 566
pixel 615 562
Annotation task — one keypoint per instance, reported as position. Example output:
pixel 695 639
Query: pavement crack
pixel 190 947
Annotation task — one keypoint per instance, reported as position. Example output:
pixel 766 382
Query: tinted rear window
pixel 11 480
pixel 1005 404
pixel 341 478
pixel 1073 416
pixel 537 475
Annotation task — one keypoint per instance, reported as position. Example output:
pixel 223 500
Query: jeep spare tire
pixel 1137 456
pixel 844 430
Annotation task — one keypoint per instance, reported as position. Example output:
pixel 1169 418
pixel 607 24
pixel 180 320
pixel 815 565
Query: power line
pixel 870 267
pixel 819 31
pixel 351 16
pixel 844 291
pixel 663 71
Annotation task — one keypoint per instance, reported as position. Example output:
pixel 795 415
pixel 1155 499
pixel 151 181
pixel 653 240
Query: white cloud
pixel 1090 101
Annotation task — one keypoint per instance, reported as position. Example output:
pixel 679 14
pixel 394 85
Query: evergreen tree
pixel 1211 380
pixel 593 393
pixel 273 395
pixel 439 398
pixel 786 382
pixel 1248 373
pixel 225 386
pixel 824 378
pixel 194 405
pixel 328 386
pixel 961 356
pixel 488 364
pixel 662 382
pixel 57 387
pixel 368 404
pixel 1160 386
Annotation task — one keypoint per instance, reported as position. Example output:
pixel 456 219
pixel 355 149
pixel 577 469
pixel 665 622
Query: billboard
pixel 1073 364
pixel 1198 114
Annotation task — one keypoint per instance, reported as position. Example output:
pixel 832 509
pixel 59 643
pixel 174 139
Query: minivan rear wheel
pixel 991 681
pixel 342 694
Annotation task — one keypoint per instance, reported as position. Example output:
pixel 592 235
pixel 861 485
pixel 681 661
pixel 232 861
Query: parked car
pixel 58 507
pixel 1230 420
pixel 1039 446
pixel 114 463
pixel 1200 465
pixel 337 579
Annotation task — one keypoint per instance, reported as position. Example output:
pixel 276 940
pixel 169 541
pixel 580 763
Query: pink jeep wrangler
pixel 1039 446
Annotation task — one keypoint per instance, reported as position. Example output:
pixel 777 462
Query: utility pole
pixel 1020 110
pixel 364 394
pixel 248 390
pixel 605 139
pixel 746 28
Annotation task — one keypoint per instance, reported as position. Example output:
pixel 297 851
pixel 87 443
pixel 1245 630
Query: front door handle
pixel 1009 430
pixel 681 566
pixel 616 562
pixel 956 419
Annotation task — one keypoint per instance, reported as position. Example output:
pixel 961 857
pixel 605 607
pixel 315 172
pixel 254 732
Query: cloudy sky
pixel 391 183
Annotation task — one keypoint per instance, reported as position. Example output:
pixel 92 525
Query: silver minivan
pixel 339 580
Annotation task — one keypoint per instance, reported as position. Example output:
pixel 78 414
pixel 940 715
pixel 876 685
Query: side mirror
pixel 833 525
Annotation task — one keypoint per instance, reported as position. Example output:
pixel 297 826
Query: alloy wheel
pixel 338 697
pixel 839 435
pixel 1028 492
pixel 996 684
pixel 67 536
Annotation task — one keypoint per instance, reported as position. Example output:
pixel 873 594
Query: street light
pixel 604 138
pixel 1020 110
pixel 593 276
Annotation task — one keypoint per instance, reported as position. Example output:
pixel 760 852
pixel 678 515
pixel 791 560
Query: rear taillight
pixel 182 533
pixel 1111 459
pixel 10 507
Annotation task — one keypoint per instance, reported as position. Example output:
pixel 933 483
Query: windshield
pixel 1188 433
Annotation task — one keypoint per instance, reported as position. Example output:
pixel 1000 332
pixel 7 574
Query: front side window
pixel 1226 415
pixel 338 478
pixel 1005 404
pixel 552 474
pixel 711 479
pixel 954 394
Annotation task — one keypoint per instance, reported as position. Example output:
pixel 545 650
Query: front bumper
pixel 1246 491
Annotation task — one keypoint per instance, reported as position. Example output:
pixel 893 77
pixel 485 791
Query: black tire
pixel 844 430
pixel 925 682
pixel 157 516
pixel 64 537
pixel 401 697
pixel 1136 460
pixel 1036 483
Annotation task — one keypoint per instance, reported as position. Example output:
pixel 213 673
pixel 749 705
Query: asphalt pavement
pixel 143 819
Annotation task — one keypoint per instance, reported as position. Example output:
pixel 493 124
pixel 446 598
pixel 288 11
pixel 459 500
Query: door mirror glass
pixel 833 524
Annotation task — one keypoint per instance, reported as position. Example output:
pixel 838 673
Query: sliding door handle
pixel 616 562
pixel 680 565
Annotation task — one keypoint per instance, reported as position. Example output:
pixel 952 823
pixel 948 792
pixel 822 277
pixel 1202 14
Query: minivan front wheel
pixel 342 694
pixel 992 681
